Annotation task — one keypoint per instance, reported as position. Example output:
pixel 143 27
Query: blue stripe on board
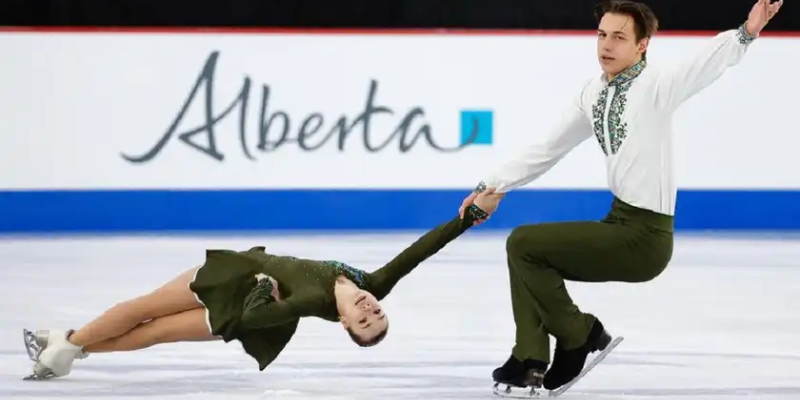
pixel 264 210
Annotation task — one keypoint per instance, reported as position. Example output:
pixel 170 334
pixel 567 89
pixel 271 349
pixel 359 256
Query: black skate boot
pixel 567 364
pixel 521 374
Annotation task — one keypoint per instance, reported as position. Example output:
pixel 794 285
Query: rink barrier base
pixel 162 211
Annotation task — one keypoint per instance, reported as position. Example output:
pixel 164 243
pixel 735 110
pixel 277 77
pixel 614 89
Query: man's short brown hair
pixel 645 23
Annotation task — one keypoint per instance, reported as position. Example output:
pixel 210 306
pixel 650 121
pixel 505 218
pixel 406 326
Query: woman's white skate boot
pixel 56 359
pixel 36 342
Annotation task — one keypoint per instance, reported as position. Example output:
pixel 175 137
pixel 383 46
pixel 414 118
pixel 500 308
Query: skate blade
pixel 515 392
pixel 34 377
pixel 40 373
pixel 614 343
pixel 31 345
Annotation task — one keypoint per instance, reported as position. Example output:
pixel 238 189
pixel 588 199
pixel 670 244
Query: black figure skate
pixel 526 374
pixel 568 365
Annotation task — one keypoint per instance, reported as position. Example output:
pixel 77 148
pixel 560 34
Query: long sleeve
pixel 383 280
pixel 531 163
pixel 680 83
pixel 263 311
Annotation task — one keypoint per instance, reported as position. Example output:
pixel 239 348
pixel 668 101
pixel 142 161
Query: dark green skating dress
pixel 225 282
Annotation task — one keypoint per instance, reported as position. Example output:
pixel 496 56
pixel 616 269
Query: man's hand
pixel 488 201
pixel 484 198
pixel 762 12
pixel 466 203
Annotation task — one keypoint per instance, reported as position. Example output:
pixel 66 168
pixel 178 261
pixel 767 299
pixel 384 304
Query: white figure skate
pixel 52 353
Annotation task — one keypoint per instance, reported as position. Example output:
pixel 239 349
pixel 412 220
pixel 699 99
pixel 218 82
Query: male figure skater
pixel 628 109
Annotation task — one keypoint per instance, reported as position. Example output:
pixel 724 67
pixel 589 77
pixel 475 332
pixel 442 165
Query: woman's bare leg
pixel 186 326
pixel 171 298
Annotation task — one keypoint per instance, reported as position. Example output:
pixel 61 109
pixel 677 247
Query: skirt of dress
pixel 221 284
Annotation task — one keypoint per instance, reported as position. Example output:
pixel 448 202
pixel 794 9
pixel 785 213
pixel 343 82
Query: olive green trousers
pixel 628 245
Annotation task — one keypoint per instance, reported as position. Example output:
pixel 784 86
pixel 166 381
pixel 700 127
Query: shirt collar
pixel 627 75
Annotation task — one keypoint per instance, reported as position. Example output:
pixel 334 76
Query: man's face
pixel 617 48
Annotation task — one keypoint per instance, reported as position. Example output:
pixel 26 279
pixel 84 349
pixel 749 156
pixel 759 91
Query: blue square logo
pixel 476 127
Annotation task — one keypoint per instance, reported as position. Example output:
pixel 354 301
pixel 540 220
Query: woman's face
pixel 359 310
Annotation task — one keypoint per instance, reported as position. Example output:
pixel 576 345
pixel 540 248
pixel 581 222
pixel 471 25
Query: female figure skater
pixel 251 296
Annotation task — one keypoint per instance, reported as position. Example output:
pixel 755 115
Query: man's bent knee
pixel 646 273
pixel 521 241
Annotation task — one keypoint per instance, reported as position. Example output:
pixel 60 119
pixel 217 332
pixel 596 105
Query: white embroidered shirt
pixel 631 118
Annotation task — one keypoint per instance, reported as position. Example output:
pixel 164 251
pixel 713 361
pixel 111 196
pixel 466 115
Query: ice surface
pixel 721 323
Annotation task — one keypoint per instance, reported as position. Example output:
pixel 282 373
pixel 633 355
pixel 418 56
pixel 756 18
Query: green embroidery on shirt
pixel 743 37
pixel 617 127
pixel 597 117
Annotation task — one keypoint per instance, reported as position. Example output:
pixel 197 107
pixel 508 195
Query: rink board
pixel 156 131
pixel 299 210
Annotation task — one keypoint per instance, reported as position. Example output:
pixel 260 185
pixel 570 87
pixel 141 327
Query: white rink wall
pixel 92 124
